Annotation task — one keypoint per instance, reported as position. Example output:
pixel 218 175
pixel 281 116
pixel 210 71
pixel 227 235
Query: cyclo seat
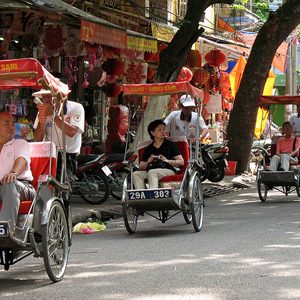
pixel 171 180
pixel 40 155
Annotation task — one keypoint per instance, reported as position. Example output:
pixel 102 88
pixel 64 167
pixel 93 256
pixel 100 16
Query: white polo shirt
pixel 177 127
pixel 10 152
pixel 75 117
pixel 295 121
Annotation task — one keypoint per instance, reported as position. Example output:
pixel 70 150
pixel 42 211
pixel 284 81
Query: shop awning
pixel 162 89
pixel 93 29
pixel 140 42
pixel 98 33
pixel 28 72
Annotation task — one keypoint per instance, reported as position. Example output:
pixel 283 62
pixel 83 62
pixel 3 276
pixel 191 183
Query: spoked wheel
pixel 118 184
pixel 217 173
pixel 55 242
pixel 196 202
pixel 262 190
pixel 187 217
pixel 102 194
pixel 130 215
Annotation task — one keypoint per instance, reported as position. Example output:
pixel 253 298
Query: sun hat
pixel 187 100
pixel 41 93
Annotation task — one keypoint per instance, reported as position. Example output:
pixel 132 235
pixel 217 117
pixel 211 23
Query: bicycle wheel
pixel 187 217
pixel 262 190
pixel 102 194
pixel 130 215
pixel 117 188
pixel 55 242
pixel 196 202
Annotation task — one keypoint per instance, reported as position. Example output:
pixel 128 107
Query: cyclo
pixel 282 181
pixel 179 193
pixel 44 225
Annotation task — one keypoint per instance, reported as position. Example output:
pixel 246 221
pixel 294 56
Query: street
pixel 246 250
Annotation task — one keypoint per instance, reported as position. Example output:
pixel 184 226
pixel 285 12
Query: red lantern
pixel 215 57
pixel 194 59
pixel 201 76
pixel 112 90
pixel 185 75
pixel 151 57
pixel 113 66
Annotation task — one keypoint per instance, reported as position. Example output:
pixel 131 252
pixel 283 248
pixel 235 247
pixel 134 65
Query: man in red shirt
pixel 287 149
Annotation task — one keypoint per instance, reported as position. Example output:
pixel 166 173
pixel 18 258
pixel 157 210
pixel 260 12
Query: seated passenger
pixel 15 173
pixel 287 149
pixel 159 159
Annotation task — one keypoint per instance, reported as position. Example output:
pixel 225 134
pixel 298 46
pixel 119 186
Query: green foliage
pixel 259 7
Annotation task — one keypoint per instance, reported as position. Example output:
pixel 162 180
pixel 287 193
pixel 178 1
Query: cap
pixel 41 93
pixel 187 100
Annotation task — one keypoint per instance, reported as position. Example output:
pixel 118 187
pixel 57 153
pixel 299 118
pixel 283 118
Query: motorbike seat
pixel 83 159
pixel 116 157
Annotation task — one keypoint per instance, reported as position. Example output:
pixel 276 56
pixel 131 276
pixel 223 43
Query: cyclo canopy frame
pixel 29 73
pixel 168 88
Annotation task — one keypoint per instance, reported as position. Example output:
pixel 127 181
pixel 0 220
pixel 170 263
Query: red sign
pixel 162 89
pixel 101 34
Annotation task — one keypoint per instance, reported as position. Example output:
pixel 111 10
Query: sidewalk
pixel 112 208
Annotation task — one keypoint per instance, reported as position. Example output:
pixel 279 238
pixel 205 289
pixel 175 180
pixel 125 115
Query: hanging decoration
pixel 200 77
pixel 71 70
pixel 85 83
pixel 194 59
pixel 135 72
pixel 213 84
pixel 225 86
pixel 150 75
pixel 185 75
pixel 53 37
pixel 215 57
pixel 113 66
pixel 111 90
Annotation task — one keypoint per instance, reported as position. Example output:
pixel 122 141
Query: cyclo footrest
pixel 279 177
pixel 153 199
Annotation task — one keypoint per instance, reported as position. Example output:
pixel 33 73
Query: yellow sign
pixel 141 44
pixel 163 32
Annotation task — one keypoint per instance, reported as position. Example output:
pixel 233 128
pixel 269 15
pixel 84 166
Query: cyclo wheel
pixel 196 202
pixel 129 214
pixel 103 189
pixel 55 242
pixel 262 190
pixel 187 217
pixel 120 180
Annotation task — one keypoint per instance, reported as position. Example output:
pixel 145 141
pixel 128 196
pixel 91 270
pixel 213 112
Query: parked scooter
pixel 98 176
pixel 90 182
pixel 214 161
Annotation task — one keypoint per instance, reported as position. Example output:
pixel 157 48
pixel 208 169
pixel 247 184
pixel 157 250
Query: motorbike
pixel 100 175
pixel 214 161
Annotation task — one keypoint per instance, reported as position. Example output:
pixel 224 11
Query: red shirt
pixel 285 145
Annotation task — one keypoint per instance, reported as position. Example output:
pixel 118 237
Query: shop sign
pixel 141 44
pixel 102 34
pixel 163 33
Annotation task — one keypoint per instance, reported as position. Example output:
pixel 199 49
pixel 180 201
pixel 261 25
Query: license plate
pixel 3 229
pixel 106 170
pixel 149 194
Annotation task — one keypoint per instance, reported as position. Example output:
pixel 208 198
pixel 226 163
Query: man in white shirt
pixel 73 122
pixel 15 173
pixel 184 122
pixel 295 121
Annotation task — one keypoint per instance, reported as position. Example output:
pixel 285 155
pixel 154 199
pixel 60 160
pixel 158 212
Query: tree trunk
pixel 243 116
